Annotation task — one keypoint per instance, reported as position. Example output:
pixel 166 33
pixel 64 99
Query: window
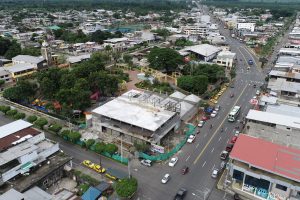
pixel 281 187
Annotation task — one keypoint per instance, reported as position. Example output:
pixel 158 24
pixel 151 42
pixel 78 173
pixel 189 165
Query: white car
pixel 215 173
pixel 214 113
pixel 255 97
pixel 191 139
pixel 257 92
pixel 173 161
pixel 201 123
pixel 165 179
pixel 217 107
pixel 146 162
pixel 236 133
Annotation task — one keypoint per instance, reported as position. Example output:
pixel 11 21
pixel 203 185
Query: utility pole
pixel 121 134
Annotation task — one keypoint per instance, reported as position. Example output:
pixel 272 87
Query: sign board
pixel 157 148
pixel 254 101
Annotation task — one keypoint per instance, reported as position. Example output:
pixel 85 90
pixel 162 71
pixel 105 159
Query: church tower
pixel 46 53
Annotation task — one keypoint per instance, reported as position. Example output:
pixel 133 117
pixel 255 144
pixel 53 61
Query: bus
pixel 234 113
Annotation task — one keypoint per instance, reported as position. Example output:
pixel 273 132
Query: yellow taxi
pixel 99 169
pixel 88 163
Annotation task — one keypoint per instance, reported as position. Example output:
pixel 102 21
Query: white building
pixel 226 59
pixel 204 52
pixel 197 29
pixel 142 116
pixel 22 148
pixel 92 27
pixel 117 44
pixel 246 26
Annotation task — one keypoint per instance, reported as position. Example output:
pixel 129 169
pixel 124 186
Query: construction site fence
pixel 164 156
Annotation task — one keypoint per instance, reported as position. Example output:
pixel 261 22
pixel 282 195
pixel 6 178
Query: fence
pixel 165 156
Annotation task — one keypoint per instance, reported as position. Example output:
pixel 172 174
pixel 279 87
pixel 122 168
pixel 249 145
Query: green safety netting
pixel 165 156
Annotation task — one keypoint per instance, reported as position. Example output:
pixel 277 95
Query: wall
pixel 49 151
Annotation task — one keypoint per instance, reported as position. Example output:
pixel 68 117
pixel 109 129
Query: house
pixel 91 194
pixel 246 26
pixel 204 52
pixel 260 169
pixel 37 62
pixel 279 124
pixel 226 59
pixel 19 70
pixel 117 44
pixel 5 75
pixel 21 148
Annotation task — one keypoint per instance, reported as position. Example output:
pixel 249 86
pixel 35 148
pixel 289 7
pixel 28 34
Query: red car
pixel 229 147
pixel 233 139
pixel 205 118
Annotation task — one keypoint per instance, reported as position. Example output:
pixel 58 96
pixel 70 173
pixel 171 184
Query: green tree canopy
pixel 195 84
pixel 164 59
pixel 126 187
pixel 111 148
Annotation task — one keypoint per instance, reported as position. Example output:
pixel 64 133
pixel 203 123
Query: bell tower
pixel 46 53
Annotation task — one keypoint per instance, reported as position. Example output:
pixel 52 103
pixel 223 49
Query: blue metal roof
pixel 91 194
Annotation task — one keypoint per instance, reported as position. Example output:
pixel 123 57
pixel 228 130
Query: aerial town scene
pixel 149 99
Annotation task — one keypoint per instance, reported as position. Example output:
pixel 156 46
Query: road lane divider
pixel 217 130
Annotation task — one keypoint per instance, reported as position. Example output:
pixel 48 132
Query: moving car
pixel 214 113
pixel 201 123
pixel 215 173
pixel 191 139
pixel 146 162
pixel 231 95
pixel 250 62
pixel 180 194
pixel 173 161
pixel 254 85
pixel 257 92
pixel 165 179
pixel 236 133
pixel 224 155
pixel 185 170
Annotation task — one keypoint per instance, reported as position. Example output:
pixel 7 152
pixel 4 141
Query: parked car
pixel 165 179
pixel 185 170
pixel 173 161
pixel 257 92
pixel 201 123
pixel 180 194
pixel 236 133
pixel 99 168
pixel 224 155
pixel 233 139
pixel 254 85
pixel 223 165
pixel 205 118
pixel 250 62
pixel 146 162
pixel 191 139
pixel 87 163
pixel 215 173
pixel 214 113
pixel 236 197
pixel 229 147
pixel 217 107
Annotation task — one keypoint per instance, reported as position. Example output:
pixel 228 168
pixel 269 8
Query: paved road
pixel 201 156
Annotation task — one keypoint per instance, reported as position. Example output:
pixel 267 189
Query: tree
pixel 111 148
pixel 126 187
pixel 32 51
pixel 13 50
pixel 165 59
pixel 196 84
pixel 2 82
pixel 89 143
pixel 41 122
pixel 128 59
pixel 4 45
pixel 11 112
pixel 182 42
pixel 142 147
pixel 4 109
pixel 32 118
pixel 99 147
pixel 164 33
pixel 74 136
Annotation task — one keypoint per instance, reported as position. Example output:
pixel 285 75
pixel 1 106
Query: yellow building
pixel 20 70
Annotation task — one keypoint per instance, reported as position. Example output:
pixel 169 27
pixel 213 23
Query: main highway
pixel 203 155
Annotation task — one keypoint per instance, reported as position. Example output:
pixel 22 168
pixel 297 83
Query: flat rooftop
pixel 202 49
pixel 283 109
pixel 13 127
pixel 277 159
pixel 136 108
pixel 281 84
pixel 278 119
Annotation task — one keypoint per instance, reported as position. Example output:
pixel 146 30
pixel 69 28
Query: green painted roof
pixel 54 27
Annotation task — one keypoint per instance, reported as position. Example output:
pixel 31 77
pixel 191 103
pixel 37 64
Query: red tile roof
pixel 7 141
pixel 268 156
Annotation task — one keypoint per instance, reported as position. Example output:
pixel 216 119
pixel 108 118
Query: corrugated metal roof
pixel 13 127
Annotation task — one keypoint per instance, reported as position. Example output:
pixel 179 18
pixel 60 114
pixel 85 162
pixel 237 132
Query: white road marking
pixel 204 164
pixel 220 138
pixel 225 128
pixel 212 150
pixel 187 158
pixel 197 145
pixel 213 166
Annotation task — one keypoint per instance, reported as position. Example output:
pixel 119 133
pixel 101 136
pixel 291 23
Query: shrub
pixel 41 122
pixel 65 133
pixel 126 187
pixel 110 148
pixel 74 136
pixel 89 143
pixel 32 118
pixel 4 109
pixel 55 128
pixel 19 116
pixel 11 113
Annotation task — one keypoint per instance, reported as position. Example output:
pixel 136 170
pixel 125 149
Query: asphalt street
pixel 203 155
